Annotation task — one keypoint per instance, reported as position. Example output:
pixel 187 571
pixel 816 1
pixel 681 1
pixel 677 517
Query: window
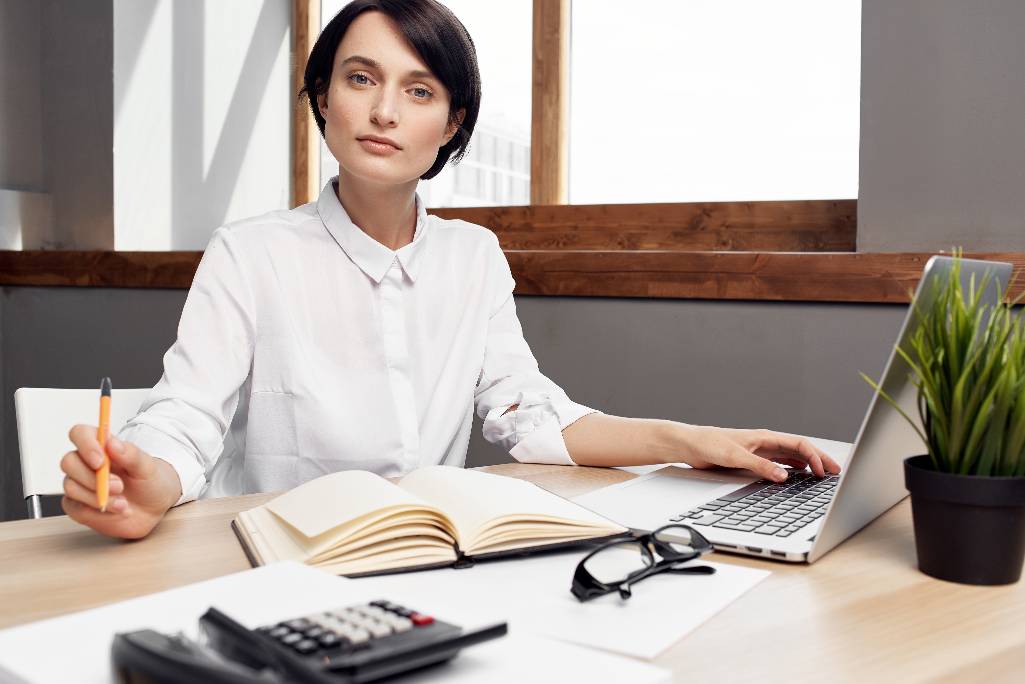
pixel 715 101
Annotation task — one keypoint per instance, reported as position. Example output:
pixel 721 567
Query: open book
pixel 354 522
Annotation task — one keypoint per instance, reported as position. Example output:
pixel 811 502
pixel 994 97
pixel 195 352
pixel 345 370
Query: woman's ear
pixel 321 99
pixel 453 125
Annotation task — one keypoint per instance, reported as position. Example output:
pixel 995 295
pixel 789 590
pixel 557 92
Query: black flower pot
pixel 968 528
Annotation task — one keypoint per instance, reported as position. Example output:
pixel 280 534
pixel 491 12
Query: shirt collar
pixel 371 256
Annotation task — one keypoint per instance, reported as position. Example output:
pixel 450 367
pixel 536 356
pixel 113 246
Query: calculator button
pixel 359 622
pixel 379 629
pixel 402 625
pixel 337 625
pixel 298 624
pixel 358 636
pixel 329 640
pixel 346 630
pixel 305 646
pixel 421 620
pixel 291 638
pixel 279 631
pixel 314 632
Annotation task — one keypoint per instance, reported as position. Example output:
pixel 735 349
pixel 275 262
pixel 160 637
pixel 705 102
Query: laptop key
pixel 708 519
pixel 744 491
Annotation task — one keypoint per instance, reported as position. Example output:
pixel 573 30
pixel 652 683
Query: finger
pixel 783 458
pixel 92 517
pixel 832 465
pixel 739 457
pixel 77 492
pixel 129 459
pixel 829 464
pixel 778 441
pixel 73 466
pixel 85 441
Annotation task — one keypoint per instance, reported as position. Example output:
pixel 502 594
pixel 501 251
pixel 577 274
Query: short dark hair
pixel 442 42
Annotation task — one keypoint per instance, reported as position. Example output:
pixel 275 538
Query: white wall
pixel 202 117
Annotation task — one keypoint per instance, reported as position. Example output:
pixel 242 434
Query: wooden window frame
pixel 675 226
pixel 549 149
pixel 762 251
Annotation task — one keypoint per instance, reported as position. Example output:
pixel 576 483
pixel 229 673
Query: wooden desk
pixel 862 612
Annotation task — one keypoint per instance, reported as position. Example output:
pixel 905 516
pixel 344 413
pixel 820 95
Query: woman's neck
pixel 386 213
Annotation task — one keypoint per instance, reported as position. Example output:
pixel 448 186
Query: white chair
pixel 44 418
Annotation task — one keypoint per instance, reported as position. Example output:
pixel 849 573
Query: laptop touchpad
pixel 650 500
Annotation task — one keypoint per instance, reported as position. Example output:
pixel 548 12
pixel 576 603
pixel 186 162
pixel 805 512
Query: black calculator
pixel 357 643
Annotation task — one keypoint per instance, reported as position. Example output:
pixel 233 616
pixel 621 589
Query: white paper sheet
pixel 282 590
pixel 534 593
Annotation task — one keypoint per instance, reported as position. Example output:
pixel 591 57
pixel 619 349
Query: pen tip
pixel 105 387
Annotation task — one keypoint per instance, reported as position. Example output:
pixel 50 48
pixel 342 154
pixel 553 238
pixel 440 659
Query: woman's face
pixel 385 114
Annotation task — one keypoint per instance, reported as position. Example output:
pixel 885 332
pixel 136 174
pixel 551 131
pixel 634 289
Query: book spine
pixel 462 560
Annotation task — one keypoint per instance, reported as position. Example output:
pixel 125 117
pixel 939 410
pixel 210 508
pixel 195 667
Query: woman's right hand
pixel 142 488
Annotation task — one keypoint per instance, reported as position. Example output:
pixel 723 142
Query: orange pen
pixel 103 474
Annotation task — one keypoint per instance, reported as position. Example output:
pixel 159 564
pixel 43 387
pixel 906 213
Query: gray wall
pixel 21 139
pixel 942 125
pixel 787 366
pixel 72 337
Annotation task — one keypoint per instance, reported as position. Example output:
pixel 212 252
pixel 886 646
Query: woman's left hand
pixel 756 450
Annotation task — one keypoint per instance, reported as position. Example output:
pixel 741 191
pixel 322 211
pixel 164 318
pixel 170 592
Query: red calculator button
pixel 421 620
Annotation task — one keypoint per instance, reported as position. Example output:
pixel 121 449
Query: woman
pixel 359 332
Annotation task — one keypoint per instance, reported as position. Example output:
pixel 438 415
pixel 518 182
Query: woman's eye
pixel 360 79
pixel 421 93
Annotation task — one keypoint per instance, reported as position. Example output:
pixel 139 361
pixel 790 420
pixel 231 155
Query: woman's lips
pixel 375 147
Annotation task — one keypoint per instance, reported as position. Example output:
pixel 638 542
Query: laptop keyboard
pixel 777 509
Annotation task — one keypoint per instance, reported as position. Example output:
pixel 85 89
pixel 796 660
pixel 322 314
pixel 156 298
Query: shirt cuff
pixel 533 432
pixel 157 444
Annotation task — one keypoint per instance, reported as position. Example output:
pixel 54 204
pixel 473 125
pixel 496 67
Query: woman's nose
pixel 385 111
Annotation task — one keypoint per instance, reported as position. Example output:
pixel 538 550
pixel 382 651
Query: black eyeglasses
pixel 619 564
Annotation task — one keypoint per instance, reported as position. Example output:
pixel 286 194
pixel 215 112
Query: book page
pixel 423 533
pixel 393 559
pixel 332 500
pixel 477 502
pixel 270 539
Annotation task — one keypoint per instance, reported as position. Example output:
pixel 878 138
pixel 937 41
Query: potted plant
pixel 967 362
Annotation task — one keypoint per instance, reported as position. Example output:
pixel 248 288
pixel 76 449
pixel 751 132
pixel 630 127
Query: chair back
pixel 44 418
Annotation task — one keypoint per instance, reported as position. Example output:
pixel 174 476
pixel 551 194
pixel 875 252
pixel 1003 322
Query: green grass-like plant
pixel 967 361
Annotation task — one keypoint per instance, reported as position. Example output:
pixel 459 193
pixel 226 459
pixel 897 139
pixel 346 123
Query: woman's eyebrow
pixel 373 64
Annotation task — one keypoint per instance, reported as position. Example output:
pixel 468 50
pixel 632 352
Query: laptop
pixel 802 519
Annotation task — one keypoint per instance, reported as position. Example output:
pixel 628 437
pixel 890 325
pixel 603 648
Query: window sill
pixel 756 276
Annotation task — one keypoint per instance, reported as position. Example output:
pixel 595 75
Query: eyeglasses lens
pixel 680 540
pixel 617 562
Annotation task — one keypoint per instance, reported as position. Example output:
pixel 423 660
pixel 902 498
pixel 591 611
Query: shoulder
pixel 463 235
pixel 274 226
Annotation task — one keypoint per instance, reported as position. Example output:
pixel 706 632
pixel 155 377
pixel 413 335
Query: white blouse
pixel 306 347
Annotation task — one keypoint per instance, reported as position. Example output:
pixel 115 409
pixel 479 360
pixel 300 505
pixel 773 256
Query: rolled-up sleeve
pixel 185 417
pixel 510 375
